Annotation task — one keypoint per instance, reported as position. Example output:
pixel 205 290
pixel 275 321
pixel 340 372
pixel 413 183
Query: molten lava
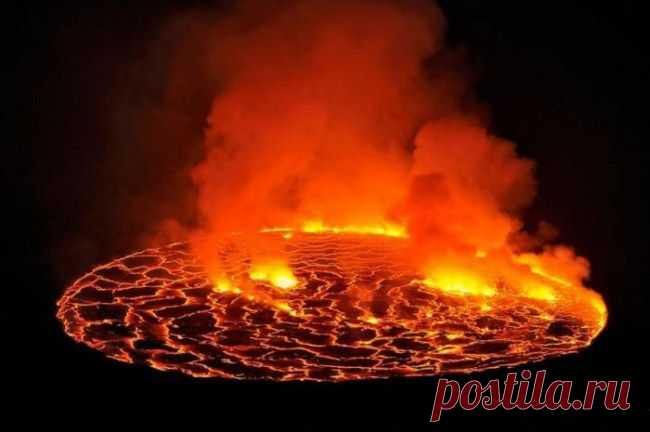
pixel 342 307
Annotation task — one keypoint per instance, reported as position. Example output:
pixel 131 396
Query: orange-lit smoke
pixel 354 114
pixel 320 101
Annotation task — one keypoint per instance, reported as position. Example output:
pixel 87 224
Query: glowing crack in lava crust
pixel 348 308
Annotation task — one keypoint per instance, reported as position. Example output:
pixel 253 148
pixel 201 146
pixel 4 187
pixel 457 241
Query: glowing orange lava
pixel 342 306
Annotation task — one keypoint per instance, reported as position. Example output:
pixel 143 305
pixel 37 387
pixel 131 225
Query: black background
pixel 564 81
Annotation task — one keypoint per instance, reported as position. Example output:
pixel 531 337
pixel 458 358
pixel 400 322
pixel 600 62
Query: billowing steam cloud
pixel 352 113
pixel 319 105
pixel 355 114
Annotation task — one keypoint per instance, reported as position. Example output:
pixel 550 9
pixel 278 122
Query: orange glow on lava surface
pixel 343 306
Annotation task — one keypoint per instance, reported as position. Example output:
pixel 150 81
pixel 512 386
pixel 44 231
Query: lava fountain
pixel 357 218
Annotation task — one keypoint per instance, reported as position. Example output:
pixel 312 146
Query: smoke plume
pixel 356 114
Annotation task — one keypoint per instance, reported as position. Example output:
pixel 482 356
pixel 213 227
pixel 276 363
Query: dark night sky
pixel 564 80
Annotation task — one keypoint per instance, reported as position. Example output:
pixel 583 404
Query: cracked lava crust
pixel 355 313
